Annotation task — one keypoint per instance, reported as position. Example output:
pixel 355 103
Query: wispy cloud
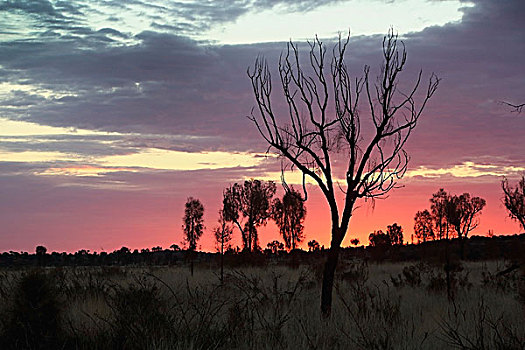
pixel 465 170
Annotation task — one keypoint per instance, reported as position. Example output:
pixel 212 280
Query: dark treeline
pixel 479 248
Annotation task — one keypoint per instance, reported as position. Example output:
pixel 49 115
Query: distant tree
pixel 275 246
pixel 379 239
pixel 156 249
pixel 223 235
pixel 463 215
pixel 423 226
pixel 40 254
pixel 514 200
pixel 145 250
pixel 289 216
pixel 248 206
pixel 123 250
pixel 122 255
pixel 175 247
pixel 395 233
pixel 193 222
pixel 313 246
pixel 438 209
pixel 193 225
pixel 40 250
pixel 354 241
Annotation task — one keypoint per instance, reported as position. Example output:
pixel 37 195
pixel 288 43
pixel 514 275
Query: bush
pixel 139 316
pixel 33 318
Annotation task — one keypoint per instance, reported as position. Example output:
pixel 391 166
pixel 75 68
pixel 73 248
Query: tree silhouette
pixel 395 233
pixel 252 202
pixel 193 225
pixel 289 216
pixel 438 209
pixel 354 241
pixel 423 226
pixel 223 235
pixel 379 239
pixel 313 246
pixel 40 252
pixel 275 246
pixel 514 200
pixel 322 129
pixel 463 215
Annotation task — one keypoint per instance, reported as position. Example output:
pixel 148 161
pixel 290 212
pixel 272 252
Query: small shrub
pixel 355 272
pixel 33 318
pixel 139 316
pixel 412 275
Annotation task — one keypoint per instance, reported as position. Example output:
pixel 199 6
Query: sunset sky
pixel 113 112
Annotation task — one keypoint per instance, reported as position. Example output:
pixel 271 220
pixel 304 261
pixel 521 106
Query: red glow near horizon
pixel 142 222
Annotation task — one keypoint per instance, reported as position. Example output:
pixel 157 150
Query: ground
pixel 376 306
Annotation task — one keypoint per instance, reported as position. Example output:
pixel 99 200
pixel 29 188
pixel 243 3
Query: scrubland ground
pixel 376 306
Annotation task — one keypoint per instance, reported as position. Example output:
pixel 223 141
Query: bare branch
pixel 516 108
pixel 322 125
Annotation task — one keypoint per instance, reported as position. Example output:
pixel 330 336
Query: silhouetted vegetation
pixel 193 226
pixel 393 236
pixel 324 123
pixel 514 200
pixel 386 305
pixel 223 235
pixel 248 206
pixel 32 316
pixel 424 226
pixel 289 215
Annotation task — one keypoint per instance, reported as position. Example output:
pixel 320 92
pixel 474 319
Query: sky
pixel 113 113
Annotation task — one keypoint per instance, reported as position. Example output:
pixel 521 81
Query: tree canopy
pixel 193 222
pixel 248 206
pixel 289 214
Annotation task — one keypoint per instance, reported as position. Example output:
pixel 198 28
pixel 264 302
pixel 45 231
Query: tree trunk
pixel 328 280
pixel 222 264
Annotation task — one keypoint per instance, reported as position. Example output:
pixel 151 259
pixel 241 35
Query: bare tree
pixel 515 200
pixel 324 123
pixel 423 226
pixel 193 225
pixel 463 214
pixel 223 236
pixel 248 204
pixel 289 216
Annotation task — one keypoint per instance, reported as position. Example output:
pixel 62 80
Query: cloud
pixel 164 83
pixel 154 86
pixel 466 170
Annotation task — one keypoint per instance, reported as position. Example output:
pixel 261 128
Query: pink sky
pixel 107 126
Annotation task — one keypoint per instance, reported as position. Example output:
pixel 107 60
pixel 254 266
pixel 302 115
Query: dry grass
pixel 376 306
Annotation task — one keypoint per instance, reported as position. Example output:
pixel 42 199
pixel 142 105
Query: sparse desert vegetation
pixel 393 305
